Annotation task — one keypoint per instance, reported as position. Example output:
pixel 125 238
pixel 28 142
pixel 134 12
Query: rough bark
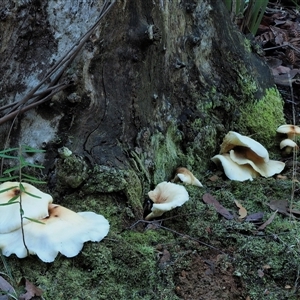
pixel 157 66
pixel 157 86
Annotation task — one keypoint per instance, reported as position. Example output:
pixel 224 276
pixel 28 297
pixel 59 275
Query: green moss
pixel 166 153
pixel 71 171
pixel 247 45
pixel 261 118
pixel 126 264
pixel 104 179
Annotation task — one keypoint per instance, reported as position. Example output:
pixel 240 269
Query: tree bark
pixel 163 80
pixel 157 83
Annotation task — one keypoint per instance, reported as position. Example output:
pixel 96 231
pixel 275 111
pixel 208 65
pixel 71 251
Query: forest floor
pixel 207 276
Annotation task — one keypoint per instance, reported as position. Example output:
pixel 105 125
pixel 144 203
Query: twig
pixel 286 44
pixel 178 233
pixel 60 67
pixel 32 105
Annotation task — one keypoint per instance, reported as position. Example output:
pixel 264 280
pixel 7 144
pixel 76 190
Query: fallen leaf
pixel 255 217
pixel 280 206
pixel 214 178
pixel 6 287
pixel 208 230
pixel 165 257
pixel 266 267
pixel 242 210
pixel 209 199
pixel 279 176
pixel 287 287
pixel 260 273
pixel 269 221
pixel 31 290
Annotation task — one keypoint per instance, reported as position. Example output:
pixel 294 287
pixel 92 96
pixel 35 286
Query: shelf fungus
pixel 61 230
pixel 186 176
pixel 243 158
pixel 34 204
pixel 165 197
pixel 234 171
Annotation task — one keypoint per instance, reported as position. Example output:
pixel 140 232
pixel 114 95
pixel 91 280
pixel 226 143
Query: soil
pixel 209 278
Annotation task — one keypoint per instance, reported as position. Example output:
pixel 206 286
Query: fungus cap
pixel 290 130
pixel 288 143
pixel 233 139
pixel 34 204
pixel 233 170
pixel 187 176
pixel 166 196
pixel 265 169
pixel 63 231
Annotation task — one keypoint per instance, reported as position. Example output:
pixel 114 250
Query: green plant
pixel 19 173
pixel 247 14
pixel 16 173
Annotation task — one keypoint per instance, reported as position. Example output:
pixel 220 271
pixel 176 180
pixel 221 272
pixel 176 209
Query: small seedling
pixel 17 173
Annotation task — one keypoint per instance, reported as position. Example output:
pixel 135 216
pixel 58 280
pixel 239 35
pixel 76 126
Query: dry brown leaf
pixel 266 267
pixel 214 178
pixel 269 221
pixel 280 206
pixel 287 286
pixel 31 290
pixel 282 177
pixel 6 287
pixel 209 199
pixel 255 217
pixel 242 210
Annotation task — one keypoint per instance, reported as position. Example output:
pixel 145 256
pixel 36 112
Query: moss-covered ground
pixel 194 251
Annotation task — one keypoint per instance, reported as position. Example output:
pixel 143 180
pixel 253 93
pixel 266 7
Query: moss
pixel 166 153
pixel 261 118
pixel 247 45
pixel 71 171
pixel 104 179
pixel 126 265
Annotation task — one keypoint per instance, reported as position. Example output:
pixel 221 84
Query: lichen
pixel 261 118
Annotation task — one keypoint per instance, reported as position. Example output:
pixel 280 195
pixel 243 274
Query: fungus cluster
pixel 288 145
pixel 243 158
pixel 168 195
pixel 47 228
